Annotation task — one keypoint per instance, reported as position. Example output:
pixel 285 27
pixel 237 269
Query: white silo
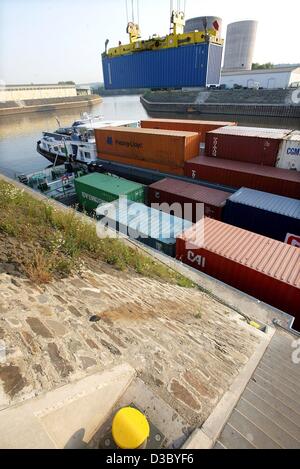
pixel 240 44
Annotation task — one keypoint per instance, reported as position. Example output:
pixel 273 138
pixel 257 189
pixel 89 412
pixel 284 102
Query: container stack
pixel 267 214
pixel 239 174
pixel 149 226
pixel 246 144
pixel 188 197
pixel 199 126
pixel 160 150
pixel 94 189
pixel 261 267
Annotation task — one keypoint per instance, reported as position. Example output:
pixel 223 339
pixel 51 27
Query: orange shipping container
pixel 199 126
pixel 144 164
pixel 166 147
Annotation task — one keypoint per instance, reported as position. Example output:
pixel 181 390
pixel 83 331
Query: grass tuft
pixel 61 241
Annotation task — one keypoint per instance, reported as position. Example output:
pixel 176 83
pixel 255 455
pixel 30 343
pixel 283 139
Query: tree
pixel 266 66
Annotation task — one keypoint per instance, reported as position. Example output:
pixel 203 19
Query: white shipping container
pixel 289 152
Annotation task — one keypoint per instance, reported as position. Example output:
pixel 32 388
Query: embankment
pixel 265 103
pixel 50 104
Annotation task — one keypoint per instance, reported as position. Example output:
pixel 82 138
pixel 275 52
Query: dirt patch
pixel 13 381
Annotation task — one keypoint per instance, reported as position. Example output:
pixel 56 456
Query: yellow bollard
pixel 130 429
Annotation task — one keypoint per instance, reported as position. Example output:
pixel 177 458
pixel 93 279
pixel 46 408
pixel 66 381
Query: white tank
pixel 240 44
pixel 197 24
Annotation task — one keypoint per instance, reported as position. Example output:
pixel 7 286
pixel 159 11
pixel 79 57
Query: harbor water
pixel 19 134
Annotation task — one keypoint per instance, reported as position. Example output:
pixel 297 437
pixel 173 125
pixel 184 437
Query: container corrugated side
pixel 239 174
pixel 264 213
pixel 189 198
pixel 250 149
pixel 166 147
pixel 149 226
pixel 143 164
pixel 94 189
pixel 289 152
pixel 167 68
pixel 199 126
pixel 259 266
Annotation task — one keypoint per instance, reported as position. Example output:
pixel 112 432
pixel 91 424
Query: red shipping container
pixel 259 266
pixel 188 125
pixel 247 144
pixel 188 196
pixel 238 174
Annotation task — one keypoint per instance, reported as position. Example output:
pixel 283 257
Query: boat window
pixel 87 154
pixel 55 148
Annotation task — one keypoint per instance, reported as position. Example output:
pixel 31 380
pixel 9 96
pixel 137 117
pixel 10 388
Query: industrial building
pixel 23 92
pixel 274 78
pixel 240 44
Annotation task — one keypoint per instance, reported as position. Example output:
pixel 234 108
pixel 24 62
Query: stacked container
pixel 246 144
pixel 161 150
pixel 151 227
pixel 261 267
pixel 267 214
pixel 94 189
pixel 189 197
pixel 289 152
pixel 199 126
pixel 238 174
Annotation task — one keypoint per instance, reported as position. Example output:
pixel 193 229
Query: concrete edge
pixel 206 436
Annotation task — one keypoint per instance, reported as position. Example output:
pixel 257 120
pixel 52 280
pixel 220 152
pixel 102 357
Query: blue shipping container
pixel 263 213
pixel 186 66
pixel 144 224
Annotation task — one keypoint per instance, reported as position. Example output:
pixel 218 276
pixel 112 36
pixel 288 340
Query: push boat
pixel 77 142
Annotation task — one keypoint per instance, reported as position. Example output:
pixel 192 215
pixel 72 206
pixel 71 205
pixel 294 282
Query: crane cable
pixel 127 11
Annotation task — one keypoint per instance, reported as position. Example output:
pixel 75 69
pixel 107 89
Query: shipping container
pixel 189 199
pixel 149 176
pixel 151 227
pixel 199 126
pixel 289 152
pixel 167 148
pixel 94 189
pixel 264 213
pixel 259 266
pixel 238 174
pixel 191 65
pixel 247 144
pixel 157 167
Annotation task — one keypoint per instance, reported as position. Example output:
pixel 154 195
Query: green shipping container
pixel 96 188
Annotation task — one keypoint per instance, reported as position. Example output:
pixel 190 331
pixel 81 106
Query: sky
pixel 46 41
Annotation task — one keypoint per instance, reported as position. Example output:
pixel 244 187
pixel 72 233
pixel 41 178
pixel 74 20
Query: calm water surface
pixel 19 134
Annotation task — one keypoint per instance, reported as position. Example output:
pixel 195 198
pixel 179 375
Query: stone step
pixel 277 414
pixel 251 432
pixel 231 439
pixel 266 425
pixel 290 378
pixel 274 402
pixel 275 357
pixel 278 389
pixel 219 445
pixel 291 390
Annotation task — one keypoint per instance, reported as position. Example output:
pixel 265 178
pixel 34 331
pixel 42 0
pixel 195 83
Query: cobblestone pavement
pixel 185 346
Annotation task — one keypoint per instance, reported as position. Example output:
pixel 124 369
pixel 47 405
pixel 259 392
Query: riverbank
pixel 100 314
pixel 47 105
pixel 274 104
